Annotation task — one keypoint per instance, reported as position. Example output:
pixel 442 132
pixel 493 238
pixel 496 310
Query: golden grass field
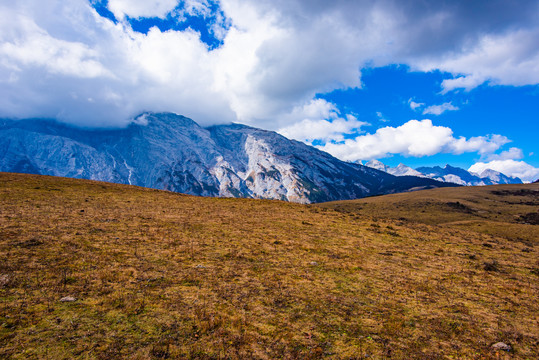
pixel 437 274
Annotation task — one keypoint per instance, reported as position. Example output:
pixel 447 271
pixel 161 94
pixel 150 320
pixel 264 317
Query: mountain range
pixel 448 174
pixel 172 152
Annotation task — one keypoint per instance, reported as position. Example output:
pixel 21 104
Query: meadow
pixel 92 270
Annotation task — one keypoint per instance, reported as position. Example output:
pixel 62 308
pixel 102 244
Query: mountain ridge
pixel 449 174
pixel 172 152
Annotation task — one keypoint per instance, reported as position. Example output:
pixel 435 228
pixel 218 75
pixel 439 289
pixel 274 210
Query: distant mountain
pixel 452 174
pixel 448 174
pixel 172 152
pixel 463 177
pixel 400 170
pixel 498 178
pixel 378 165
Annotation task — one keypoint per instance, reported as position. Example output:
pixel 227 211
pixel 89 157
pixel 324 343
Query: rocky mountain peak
pixel 172 152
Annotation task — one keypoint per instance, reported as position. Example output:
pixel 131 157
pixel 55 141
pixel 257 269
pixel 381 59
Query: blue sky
pixel 384 100
pixel 423 83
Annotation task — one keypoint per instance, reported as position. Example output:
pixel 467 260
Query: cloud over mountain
pixel 267 65
pixel 275 56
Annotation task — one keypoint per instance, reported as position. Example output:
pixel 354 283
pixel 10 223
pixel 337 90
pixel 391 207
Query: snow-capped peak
pixel 448 173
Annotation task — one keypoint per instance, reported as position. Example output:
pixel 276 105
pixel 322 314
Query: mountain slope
pixel 172 152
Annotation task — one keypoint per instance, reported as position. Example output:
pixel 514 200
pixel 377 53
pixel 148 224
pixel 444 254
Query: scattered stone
pixel 501 346
pixel 491 265
pixel 200 266
pixel 4 280
pixel 29 243
pixel 68 299
pixel 313 263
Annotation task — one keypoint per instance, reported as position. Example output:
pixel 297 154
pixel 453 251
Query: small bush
pixel 491 265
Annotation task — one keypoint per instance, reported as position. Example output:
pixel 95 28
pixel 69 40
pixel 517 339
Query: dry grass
pixel 508 211
pixel 162 275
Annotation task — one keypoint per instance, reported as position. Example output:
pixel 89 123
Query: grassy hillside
pixel 161 275
pixel 508 211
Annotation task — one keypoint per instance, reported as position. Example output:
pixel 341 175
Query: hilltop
pixel 99 270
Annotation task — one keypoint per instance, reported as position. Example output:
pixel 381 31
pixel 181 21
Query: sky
pixel 419 82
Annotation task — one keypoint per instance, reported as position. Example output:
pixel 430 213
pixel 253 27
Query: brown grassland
pixel 436 274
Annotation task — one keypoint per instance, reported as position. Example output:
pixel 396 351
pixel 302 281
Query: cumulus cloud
pixel 141 8
pixel 511 58
pixel 325 130
pixel 197 7
pixel 511 154
pixel 481 144
pixel 414 138
pixel 34 47
pixel 439 109
pixel 320 120
pixel 520 169
pixel 275 55
pixel 48 72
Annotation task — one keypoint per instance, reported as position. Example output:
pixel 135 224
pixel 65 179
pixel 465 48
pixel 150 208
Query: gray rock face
pixel 171 152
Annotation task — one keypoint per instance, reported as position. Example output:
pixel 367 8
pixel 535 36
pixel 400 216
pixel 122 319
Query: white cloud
pixel 142 8
pixel 467 82
pixel 320 120
pixel 439 109
pixel 381 117
pixel 32 46
pixel 484 145
pixel 511 58
pixel 197 7
pixel 520 169
pixel 310 130
pixel 276 55
pixel 73 76
pixel 511 154
pixel 414 105
pixel 414 138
